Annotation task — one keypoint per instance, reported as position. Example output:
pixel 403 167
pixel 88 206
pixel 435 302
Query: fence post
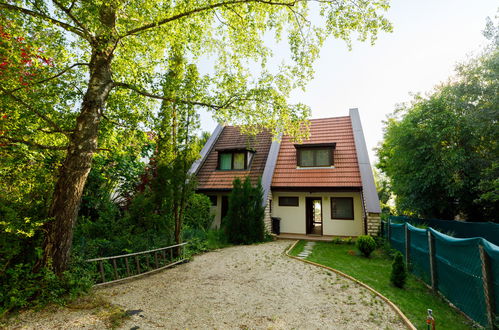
pixel 388 233
pixel 433 264
pixel 488 290
pixel 407 246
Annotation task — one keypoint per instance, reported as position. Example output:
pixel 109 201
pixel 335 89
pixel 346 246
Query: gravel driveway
pixel 244 287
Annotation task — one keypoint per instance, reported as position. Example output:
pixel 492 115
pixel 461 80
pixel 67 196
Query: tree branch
pixel 44 17
pixel 50 78
pixel 32 144
pixel 67 11
pixel 168 99
pixel 201 9
pixel 38 113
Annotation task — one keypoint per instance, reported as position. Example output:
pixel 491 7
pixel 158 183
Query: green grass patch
pixel 298 248
pixel 413 300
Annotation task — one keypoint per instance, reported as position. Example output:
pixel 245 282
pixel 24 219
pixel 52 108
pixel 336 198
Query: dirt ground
pixel 242 287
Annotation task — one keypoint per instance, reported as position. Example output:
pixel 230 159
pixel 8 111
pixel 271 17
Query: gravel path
pixel 242 287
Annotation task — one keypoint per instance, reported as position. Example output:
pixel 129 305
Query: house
pixel 323 186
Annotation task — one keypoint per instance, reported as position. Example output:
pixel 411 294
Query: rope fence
pixel 464 270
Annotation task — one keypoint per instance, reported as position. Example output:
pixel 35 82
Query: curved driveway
pixel 250 287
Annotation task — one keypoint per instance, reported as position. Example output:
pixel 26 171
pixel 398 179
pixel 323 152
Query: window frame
pixel 289 205
pixel 351 205
pixel 232 152
pixel 329 147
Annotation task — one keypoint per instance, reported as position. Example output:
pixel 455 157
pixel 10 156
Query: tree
pixel 244 220
pixel 109 55
pixel 440 152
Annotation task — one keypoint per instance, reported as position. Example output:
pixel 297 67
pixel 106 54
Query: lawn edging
pixel 404 318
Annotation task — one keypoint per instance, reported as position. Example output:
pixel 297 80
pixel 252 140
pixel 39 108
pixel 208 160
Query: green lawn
pixel 413 300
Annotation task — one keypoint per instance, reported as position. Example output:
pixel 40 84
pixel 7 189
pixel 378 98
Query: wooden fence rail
pixel 142 263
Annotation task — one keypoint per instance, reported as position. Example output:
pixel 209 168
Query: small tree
pixel 366 245
pixel 399 273
pixel 244 220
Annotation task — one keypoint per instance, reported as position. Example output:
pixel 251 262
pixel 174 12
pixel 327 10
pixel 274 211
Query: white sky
pixel 429 38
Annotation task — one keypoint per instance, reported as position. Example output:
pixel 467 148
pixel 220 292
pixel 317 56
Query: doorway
pixel 313 211
pixel 225 208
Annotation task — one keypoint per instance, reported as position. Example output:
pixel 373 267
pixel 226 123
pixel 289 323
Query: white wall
pixel 293 217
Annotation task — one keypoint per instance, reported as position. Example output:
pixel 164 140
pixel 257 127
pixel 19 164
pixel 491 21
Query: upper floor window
pixel 315 155
pixel 234 159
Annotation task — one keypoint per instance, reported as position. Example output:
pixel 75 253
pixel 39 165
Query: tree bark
pixel 75 168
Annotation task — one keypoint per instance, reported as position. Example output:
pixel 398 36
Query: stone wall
pixel 267 218
pixel 373 224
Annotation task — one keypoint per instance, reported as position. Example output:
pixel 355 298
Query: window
pixel 342 208
pixel 315 155
pixel 213 200
pixel 234 160
pixel 288 201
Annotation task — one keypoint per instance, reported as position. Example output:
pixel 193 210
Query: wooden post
pixel 488 289
pixel 137 264
pixel 433 263
pixel 156 259
pixel 163 252
pixel 127 267
pixel 115 269
pixel 407 246
pixel 101 267
pixel 171 255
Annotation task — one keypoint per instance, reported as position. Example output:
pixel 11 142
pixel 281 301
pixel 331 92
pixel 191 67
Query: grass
pixel 413 300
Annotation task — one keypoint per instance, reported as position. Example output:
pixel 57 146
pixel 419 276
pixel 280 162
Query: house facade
pixel 323 186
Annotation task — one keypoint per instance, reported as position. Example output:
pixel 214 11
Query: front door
pixel 225 208
pixel 313 215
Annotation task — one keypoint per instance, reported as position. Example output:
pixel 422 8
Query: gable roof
pixel 209 178
pixel 345 173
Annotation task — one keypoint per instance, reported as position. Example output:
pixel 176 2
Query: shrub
pixel 366 245
pixel 244 220
pixel 198 212
pixel 399 274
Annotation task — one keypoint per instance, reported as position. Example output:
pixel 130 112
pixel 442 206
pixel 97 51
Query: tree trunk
pixel 75 168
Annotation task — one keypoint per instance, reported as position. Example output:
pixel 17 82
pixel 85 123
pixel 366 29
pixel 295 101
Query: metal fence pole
pixel 407 246
pixel 488 289
pixel 433 264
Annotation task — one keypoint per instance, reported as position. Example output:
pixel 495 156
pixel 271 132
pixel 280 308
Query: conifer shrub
pixel 244 220
pixel 399 273
pixel 366 245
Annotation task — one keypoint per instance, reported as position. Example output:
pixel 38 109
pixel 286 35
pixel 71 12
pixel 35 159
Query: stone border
pixel 388 301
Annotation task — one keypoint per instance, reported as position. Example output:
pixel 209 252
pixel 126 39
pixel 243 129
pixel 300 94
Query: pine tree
pixel 399 273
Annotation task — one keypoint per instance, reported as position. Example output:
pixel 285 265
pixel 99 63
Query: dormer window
pixel 234 159
pixel 315 155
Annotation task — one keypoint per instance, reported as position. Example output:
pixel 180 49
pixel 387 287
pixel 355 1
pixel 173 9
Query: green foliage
pixel 22 287
pixel 398 275
pixel 440 152
pixel 198 212
pixel 366 245
pixel 244 220
pixel 343 240
pixel 203 240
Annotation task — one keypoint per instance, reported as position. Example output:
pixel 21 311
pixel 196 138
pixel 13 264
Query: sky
pixel 429 38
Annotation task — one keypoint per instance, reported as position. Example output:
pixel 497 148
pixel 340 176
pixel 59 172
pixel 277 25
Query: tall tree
pixel 111 51
pixel 441 152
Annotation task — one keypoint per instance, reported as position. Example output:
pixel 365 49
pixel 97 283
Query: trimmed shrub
pixel 399 273
pixel 366 245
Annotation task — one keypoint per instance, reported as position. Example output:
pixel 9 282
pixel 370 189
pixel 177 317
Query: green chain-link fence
pixel 464 270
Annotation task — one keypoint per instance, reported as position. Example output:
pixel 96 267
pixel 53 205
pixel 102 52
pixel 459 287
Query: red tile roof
pixel 346 169
pixel 210 178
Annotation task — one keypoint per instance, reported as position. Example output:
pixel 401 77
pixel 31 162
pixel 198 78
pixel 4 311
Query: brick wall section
pixel 373 224
pixel 267 219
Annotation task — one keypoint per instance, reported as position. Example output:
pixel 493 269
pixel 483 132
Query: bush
pixel 366 245
pixel 244 220
pixel 399 274
pixel 198 212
